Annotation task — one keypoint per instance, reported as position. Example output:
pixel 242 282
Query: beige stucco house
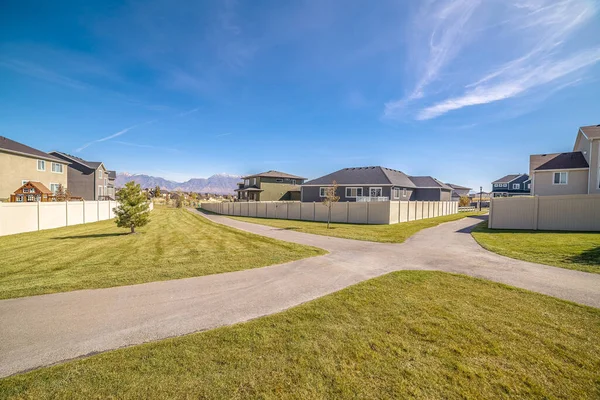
pixel 20 164
pixel 576 172
pixel 270 186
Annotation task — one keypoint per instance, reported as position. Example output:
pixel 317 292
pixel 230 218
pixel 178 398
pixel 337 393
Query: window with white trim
pixel 246 182
pixel 41 165
pixel 100 173
pixel 396 192
pixel 323 192
pixel 24 181
pixel 254 181
pixel 30 197
pixel 560 178
pixel 54 187
pixel 353 192
pixel 404 192
pixel 516 186
pixel 293 181
pixel 279 180
pixel 99 190
pixel 375 192
pixel 57 168
pixel 25 190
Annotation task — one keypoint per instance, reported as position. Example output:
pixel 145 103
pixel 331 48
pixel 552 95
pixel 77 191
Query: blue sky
pixel 462 90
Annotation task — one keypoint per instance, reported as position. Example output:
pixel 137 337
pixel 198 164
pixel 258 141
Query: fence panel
pixel 294 210
pixel 307 211
pixel 339 212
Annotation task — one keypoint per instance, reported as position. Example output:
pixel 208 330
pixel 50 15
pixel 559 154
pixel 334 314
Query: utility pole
pixel 480 193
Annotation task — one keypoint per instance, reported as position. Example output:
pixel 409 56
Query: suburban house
pixel 576 172
pixel 269 186
pixel 110 188
pixel 31 192
pixel 512 185
pixel 87 179
pixel 459 191
pixel 20 164
pixel 376 184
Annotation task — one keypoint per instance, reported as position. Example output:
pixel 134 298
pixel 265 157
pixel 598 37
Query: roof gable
pixel 365 176
pixel 508 178
pixel 11 146
pixel 273 174
pixel 591 131
pixel 562 161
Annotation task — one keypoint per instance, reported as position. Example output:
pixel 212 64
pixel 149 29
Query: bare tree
pixel 330 198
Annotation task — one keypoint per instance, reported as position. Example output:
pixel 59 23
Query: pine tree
pixel 133 209
pixel 157 191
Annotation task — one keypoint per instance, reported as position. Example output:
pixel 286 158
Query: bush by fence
pixel 28 217
pixel 559 213
pixel 376 213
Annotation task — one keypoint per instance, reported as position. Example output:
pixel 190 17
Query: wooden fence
pixel 376 213
pixel 560 213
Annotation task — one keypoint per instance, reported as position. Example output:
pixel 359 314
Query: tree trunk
pixel 328 216
pixel 132 228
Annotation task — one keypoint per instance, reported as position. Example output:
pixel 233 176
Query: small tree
pixel 133 209
pixel 179 201
pixel 464 201
pixel 329 199
pixel 157 191
pixel 62 194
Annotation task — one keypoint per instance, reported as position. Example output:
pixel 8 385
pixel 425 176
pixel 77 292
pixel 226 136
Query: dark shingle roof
pixel 112 174
pixel 274 174
pixel 562 161
pixel 16 147
pixel 454 186
pixel 89 164
pixel 428 182
pixel 365 176
pixel 507 178
pixel 592 131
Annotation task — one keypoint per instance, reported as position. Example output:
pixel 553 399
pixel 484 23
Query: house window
pixel 54 187
pixel 279 180
pixel 25 190
pixel 24 181
pixel 560 178
pixel 505 185
pixel 254 181
pixel 375 192
pixel 396 193
pixel 323 192
pixel 404 192
pixel 293 181
pixel 19 198
pixel 246 182
pixel 516 186
pixel 353 192
pixel 100 173
pixel 57 168
pixel 99 190
pixel 30 197
pixel 41 165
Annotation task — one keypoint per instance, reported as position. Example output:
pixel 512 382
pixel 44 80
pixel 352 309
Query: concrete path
pixel 42 330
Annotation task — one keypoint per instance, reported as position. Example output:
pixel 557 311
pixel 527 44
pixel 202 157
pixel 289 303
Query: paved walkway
pixel 42 330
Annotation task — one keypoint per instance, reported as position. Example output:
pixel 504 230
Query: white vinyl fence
pixel 376 213
pixel 556 213
pixel 28 217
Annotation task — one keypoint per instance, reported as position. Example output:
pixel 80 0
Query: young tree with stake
pixel 133 209
pixel 329 199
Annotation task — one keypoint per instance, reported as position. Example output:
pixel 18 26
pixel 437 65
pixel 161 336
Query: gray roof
pixel 428 182
pixel 274 174
pixel 89 164
pixel 112 174
pixel 507 178
pixel 365 176
pixel 560 161
pixel 19 148
pixel 592 131
pixel 454 186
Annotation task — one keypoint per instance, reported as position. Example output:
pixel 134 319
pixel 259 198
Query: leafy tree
pixel 464 201
pixel 157 191
pixel 133 208
pixel 62 194
pixel 180 201
pixel 329 199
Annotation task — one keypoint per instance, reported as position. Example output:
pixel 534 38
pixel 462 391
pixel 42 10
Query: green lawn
pixel 405 335
pixel 572 250
pixel 175 244
pixel 396 233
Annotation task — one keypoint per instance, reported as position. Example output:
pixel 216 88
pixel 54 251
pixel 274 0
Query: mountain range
pixel 216 184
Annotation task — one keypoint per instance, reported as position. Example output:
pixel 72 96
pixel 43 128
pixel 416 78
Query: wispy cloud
pixel 114 135
pixel 223 134
pixel 36 71
pixel 183 114
pixel 145 146
pixel 535 34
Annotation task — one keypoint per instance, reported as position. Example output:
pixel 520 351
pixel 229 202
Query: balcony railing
pixel 368 198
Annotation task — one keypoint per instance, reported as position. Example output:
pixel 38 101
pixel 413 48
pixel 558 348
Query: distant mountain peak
pixel 216 184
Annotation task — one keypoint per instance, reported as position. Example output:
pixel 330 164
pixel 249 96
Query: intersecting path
pixel 43 330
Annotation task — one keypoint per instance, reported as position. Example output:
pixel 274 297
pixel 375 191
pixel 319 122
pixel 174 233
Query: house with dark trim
pixel 575 172
pixel 512 185
pixel 459 191
pixel 269 186
pixel 375 184
pixel 86 179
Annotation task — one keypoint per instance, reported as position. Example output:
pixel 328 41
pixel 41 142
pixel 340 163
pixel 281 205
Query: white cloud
pixel 534 35
pixel 114 135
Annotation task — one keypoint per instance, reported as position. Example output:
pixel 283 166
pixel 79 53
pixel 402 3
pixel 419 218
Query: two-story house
pixel 512 185
pixel 110 189
pixel 87 179
pixel 269 186
pixel 20 164
pixel 576 172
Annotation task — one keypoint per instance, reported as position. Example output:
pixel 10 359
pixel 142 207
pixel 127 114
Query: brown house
pixel 31 192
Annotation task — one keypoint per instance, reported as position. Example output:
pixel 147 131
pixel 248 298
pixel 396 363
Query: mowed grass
pixel 572 250
pixel 426 335
pixel 175 244
pixel 396 233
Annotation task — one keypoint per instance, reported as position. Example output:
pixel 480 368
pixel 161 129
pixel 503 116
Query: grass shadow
pixel 590 257
pixel 94 236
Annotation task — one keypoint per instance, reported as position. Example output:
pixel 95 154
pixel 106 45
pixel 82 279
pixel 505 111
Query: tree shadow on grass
pixel 588 257
pixel 96 235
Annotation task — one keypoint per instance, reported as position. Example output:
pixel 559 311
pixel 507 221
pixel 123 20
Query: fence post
pixel 536 210
pixel 314 211
pixel 38 215
pixel 491 217
pixel 97 210
pixel 347 211
pixel 368 203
